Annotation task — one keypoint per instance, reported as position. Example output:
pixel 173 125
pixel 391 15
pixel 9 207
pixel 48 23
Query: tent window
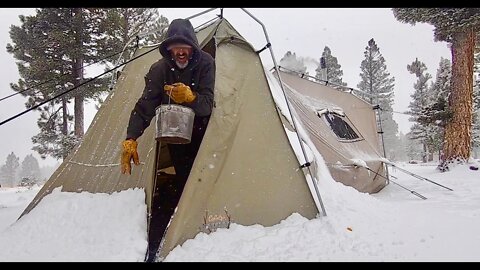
pixel 340 127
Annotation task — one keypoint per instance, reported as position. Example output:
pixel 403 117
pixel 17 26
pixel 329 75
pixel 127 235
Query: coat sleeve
pixel 144 109
pixel 203 104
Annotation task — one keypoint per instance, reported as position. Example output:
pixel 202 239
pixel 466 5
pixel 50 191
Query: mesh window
pixel 341 128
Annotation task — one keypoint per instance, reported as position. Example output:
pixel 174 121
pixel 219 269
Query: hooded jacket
pixel 199 74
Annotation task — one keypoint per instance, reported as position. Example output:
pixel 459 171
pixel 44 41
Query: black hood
pixel 179 31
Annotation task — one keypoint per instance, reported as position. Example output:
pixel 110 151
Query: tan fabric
pixel 306 97
pixel 94 165
pixel 245 165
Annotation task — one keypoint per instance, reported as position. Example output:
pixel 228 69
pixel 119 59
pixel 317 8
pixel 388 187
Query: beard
pixel 180 65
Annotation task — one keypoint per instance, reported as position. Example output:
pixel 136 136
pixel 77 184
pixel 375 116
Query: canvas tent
pixel 245 166
pixel 342 127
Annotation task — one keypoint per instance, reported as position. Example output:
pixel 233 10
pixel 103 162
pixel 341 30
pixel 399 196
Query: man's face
pixel 181 55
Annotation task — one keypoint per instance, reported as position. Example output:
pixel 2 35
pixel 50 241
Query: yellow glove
pixel 180 92
pixel 129 153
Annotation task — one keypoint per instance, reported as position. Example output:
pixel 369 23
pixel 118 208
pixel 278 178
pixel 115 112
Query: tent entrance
pixel 168 187
pixel 167 191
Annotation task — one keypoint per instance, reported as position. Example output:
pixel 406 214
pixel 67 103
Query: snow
pixel 392 225
pixel 74 227
pixel 12 203
pixel 359 162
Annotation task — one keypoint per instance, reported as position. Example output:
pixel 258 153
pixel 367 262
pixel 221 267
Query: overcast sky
pixel 306 32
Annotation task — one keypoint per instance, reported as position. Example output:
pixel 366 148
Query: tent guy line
pixel 73 88
pixel 418 176
pixel 62 75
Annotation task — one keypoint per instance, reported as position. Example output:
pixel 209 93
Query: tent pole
pixel 201 13
pixel 317 80
pixel 289 110
pixel 379 114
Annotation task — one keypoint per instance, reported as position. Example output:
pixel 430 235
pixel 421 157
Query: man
pixel 186 74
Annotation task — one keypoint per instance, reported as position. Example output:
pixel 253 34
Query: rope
pixel 98 165
pixel 418 176
pixel 68 91
pixel 411 191
pixel 349 89
pixel 47 81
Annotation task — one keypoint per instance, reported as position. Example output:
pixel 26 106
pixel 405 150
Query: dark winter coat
pixel 199 75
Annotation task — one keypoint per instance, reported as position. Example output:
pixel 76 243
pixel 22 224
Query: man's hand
pixel 129 153
pixel 180 92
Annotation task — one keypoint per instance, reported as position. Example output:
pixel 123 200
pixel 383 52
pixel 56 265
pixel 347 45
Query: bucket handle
pixel 169 98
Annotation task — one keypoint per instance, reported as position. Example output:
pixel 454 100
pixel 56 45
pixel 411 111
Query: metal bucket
pixel 174 124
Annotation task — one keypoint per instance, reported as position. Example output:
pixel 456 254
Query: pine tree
pixel 420 101
pixel 29 171
pixel 421 97
pixel 291 62
pixel 39 63
pixel 413 146
pixel 122 25
pixel 8 172
pixel 429 106
pixel 476 106
pixel 438 113
pixel 458 26
pixel 476 119
pixel 401 153
pixel 52 141
pixel 53 47
pixel 127 28
pixel 378 87
pixel 333 69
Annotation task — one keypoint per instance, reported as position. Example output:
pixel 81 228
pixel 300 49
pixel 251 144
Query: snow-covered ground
pixel 73 226
pixel 12 203
pixel 393 225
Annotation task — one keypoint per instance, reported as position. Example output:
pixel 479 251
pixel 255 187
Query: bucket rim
pixel 174 105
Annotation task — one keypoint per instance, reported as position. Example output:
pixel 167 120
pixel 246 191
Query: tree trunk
pixel 65 121
pixel 78 107
pixel 425 153
pixel 64 116
pixel 126 26
pixel 78 73
pixel 459 129
pixel 79 127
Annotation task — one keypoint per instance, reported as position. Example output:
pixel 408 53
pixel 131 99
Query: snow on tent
pixel 342 127
pixel 246 171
